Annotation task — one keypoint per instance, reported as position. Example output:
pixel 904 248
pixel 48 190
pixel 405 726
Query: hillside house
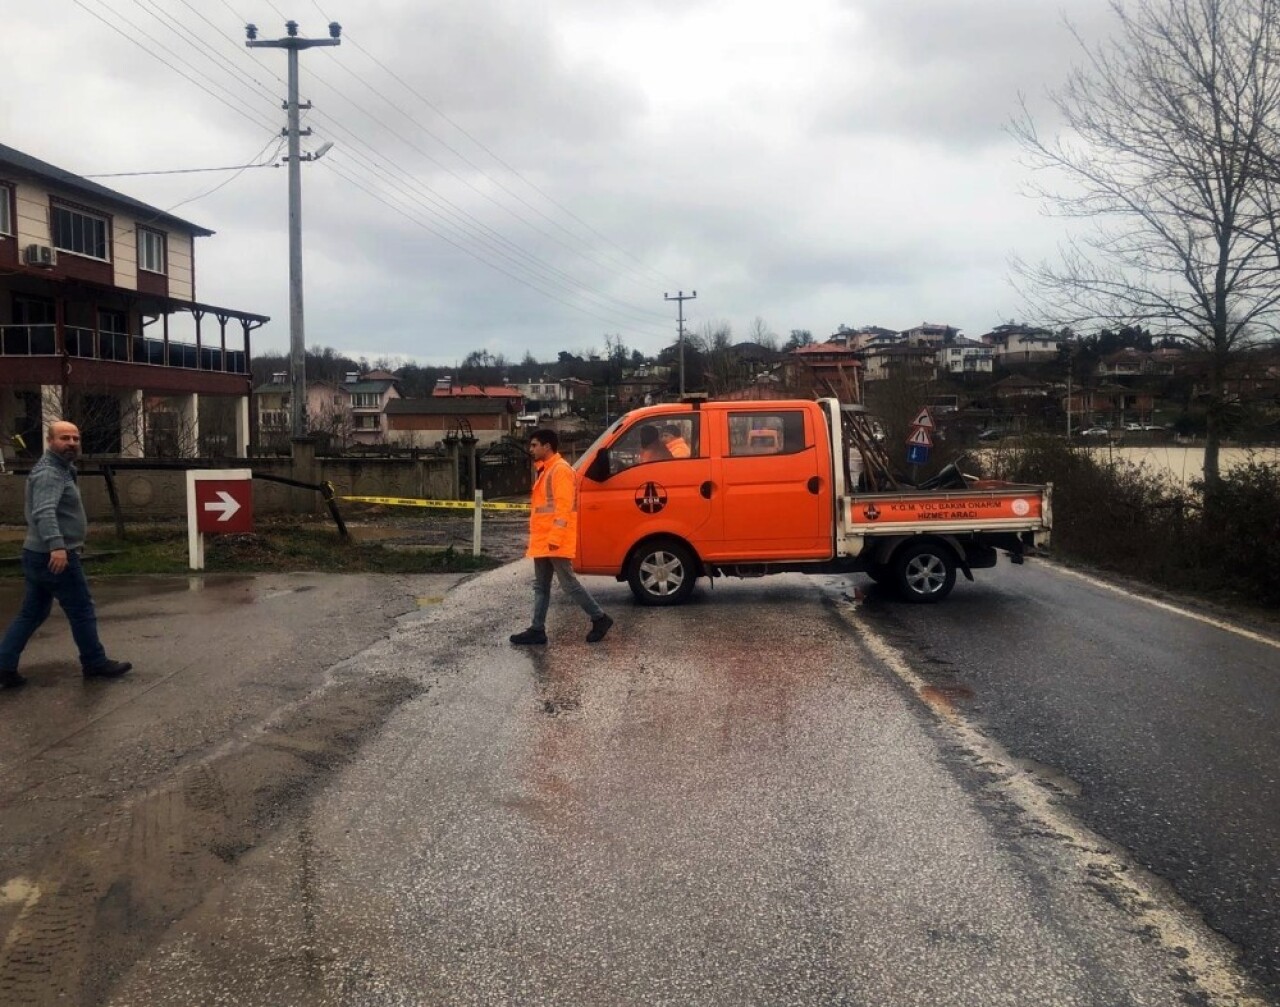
pixel 930 334
pixel 1014 344
pixel 826 369
pixel 917 363
pixel 964 357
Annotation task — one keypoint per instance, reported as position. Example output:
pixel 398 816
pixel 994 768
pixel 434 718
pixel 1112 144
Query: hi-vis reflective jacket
pixel 553 510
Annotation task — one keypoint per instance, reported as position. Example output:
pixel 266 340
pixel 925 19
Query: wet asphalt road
pixel 354 791
pixel 1164 730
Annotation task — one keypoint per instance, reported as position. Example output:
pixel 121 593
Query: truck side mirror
pixel 598 470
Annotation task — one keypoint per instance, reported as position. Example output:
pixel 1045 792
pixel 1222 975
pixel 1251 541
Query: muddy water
pixel 1184 464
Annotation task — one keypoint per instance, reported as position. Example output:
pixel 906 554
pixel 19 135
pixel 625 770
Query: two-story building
pixel 965 357
pixel 1013 344
pixel 90 280
pixel 548 398
pixel 370 394
pixel 930 334
pixel 328 412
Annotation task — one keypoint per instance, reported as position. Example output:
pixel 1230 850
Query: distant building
pixel 547 398
pixel 1014 344
pixel 965 356
pixel 425 423
pixel 370 395
pixel 929 334
pixel 328 411
pixel 915 362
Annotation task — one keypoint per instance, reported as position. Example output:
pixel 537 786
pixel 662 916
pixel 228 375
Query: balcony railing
pixel 41 341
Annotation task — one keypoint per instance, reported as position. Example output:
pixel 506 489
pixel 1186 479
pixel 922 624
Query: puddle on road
pixel 100 902
pixel 220 590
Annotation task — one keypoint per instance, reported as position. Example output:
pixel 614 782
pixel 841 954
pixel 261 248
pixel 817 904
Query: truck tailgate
pixel 1008 508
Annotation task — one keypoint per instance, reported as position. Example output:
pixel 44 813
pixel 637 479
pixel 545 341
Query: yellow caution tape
pixel 443 504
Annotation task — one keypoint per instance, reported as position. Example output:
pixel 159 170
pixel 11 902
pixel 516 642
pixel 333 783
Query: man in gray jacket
pixel 56 527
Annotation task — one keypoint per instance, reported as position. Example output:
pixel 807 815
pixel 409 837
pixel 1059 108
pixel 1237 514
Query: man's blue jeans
pixel 72 592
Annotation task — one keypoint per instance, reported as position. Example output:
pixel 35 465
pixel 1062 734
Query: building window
pixel 151 251
pixel 365 400
pixel 81 233
pixel 6 210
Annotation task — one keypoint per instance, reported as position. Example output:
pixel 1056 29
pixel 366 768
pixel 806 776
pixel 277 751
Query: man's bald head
pixel 64 439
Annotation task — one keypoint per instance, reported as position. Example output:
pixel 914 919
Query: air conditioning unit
pixel 40 255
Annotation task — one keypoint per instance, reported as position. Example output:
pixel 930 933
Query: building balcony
pixel 89 344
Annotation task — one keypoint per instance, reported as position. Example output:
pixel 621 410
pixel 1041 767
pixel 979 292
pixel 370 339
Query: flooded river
pixel 1184 463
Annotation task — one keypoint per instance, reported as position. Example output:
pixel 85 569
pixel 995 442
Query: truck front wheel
pixel 924 572
pixel 662 572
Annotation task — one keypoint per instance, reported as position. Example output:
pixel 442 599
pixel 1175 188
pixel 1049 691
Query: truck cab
pixel 756 488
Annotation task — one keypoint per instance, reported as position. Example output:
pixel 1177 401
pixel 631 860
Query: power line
pixel 467 182
pixel 444 206
pixel 329 164
pixel 238 109
pixel 180 171
pixel 440 112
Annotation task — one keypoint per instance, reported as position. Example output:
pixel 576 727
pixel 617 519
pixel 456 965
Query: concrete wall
pixel 161 495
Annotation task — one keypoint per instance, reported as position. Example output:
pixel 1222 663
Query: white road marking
pixel 1209 620
pixel 1208 959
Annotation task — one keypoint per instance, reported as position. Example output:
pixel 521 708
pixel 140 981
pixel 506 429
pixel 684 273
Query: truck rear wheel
pixel 924 572
pixel 662 572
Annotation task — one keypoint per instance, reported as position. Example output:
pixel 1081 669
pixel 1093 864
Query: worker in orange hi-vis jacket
pixel 553 539
pixel 676 444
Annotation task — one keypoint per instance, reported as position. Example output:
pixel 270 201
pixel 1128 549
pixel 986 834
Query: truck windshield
pixel 595 444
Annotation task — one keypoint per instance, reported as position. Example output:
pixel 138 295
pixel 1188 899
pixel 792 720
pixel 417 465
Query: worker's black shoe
pixel 598 629
pixel 529 636
pixel 107 669
pixel 10 679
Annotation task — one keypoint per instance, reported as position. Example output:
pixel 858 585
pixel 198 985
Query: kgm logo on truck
pixel 651 498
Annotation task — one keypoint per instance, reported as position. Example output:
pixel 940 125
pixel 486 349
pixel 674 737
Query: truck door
pixel 773 485
pixel 643 489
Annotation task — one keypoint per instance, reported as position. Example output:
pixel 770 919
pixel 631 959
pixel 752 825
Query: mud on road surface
pixel 123 803
pixel 102 898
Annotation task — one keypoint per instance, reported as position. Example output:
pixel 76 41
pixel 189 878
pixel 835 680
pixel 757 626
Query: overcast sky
pixel 522 176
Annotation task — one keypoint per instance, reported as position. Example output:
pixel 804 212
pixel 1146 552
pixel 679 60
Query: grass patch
pixel 283 548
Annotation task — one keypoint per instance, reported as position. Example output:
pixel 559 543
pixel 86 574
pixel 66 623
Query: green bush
pixel 1127 518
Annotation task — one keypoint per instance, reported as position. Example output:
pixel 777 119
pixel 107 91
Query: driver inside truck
pixel 651 447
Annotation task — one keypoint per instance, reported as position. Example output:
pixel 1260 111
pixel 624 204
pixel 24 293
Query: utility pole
pixel 681 297
pixel 297 342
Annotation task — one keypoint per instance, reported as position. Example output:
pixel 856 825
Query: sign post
pixel 219 502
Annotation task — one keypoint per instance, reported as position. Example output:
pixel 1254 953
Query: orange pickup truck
pixel 767 488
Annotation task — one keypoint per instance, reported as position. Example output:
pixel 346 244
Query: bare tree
pixel 1170 153
pixel 762 335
